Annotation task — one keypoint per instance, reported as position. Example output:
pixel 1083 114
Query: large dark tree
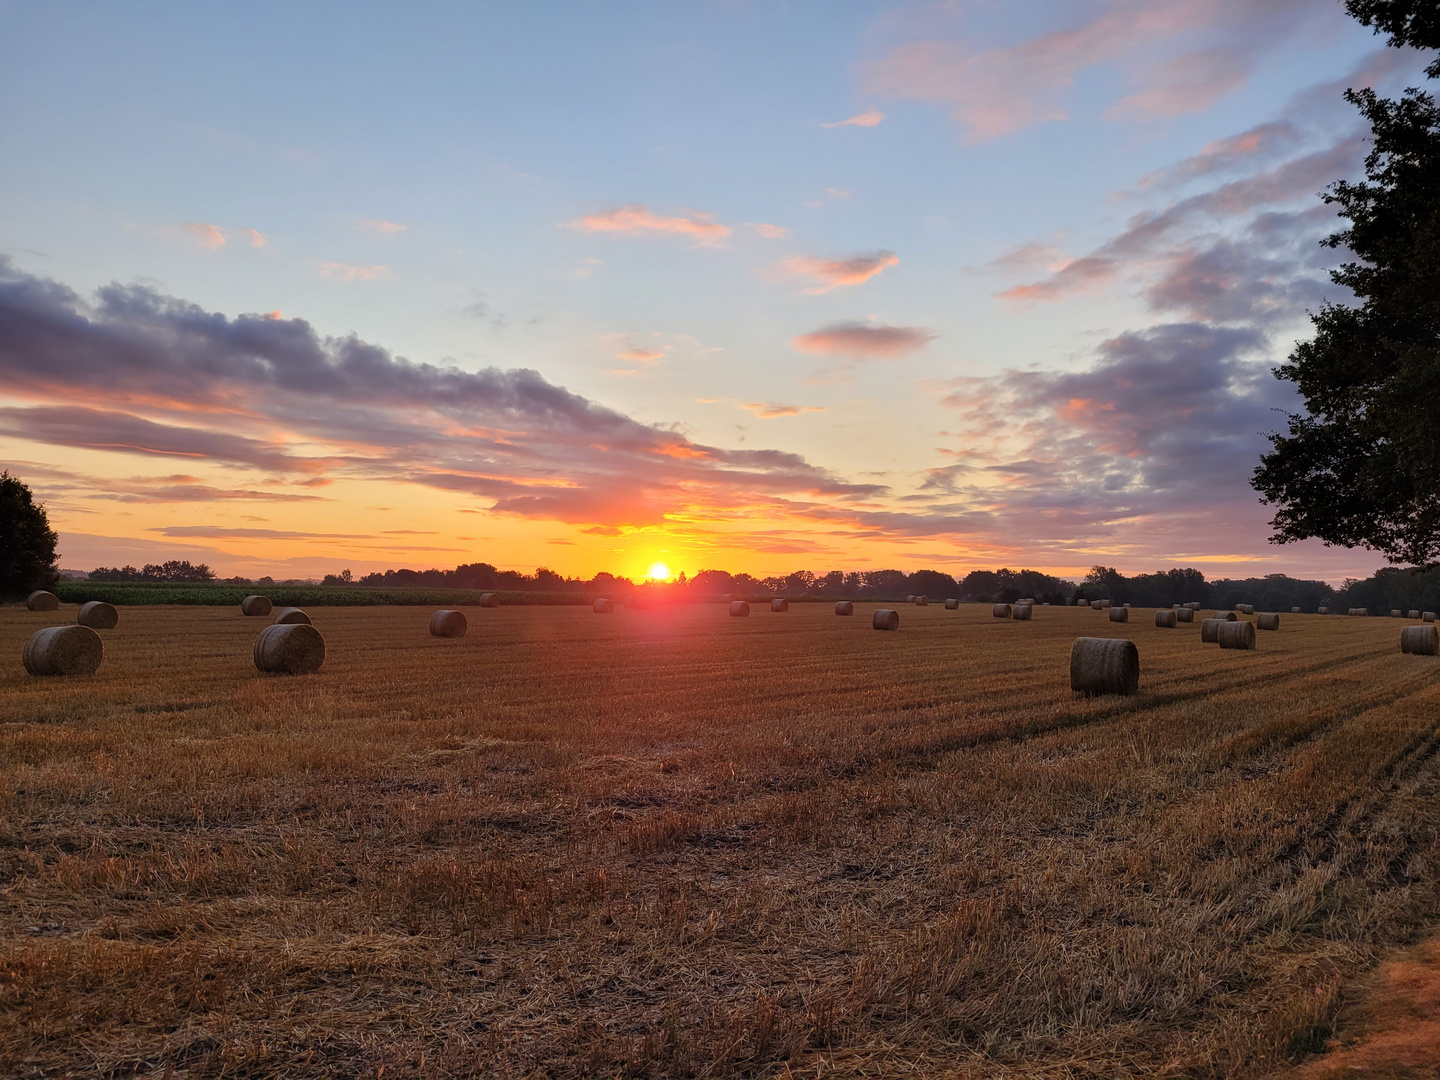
pixel 1361 466
pixel 27 543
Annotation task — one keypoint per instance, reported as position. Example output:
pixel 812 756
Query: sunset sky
pixel 756 286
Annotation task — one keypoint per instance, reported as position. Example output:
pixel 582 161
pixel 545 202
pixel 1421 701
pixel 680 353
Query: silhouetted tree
pixel 27 543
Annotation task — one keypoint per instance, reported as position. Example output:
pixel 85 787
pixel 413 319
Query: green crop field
pixel 674 843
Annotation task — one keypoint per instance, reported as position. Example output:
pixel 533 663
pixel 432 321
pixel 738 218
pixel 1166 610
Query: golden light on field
pixel 658 572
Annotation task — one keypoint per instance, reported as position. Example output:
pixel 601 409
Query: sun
pixel 658 572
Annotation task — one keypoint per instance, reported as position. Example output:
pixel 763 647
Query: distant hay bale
pixel 739 608
pixel 886 619
pixel 489 599
pixel 844 607
pixel 1322 610
pixel 1193 605
pixel 40 600
pixel 1358 611
pixel 1267 620
pixel 1294 611
pixel 1427 616
pixel 780 605
pixel 1176 607
pixel 1185 615
pixel 922 600
pixel 1022 612
pixel 1237 635
pixel 1420 640
pixel 1097 605
pixel 1225 616
pixel 1104 666
pixel 1165 619
pixel 293 615
pixel 1396 613
pixel 1001 611
pixel 1414 613
pixel 1119 614
pixel 726 597
pixel 98 615
pixel 952 605
pixel 1106 605
pixel 1210 630
pixel 602 606
pixel 1245 609
pixel 63 650
pixel 447 623
pixel 289 649
pixel 255 605
pixel 1125 606
pixel 910 599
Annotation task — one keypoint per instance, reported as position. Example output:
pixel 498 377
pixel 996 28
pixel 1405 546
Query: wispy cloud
pixel 209 237
pixel 375 225
pixel 833 273
pixel 637 355
pixel 351 272
pixel 868 119
pixel 254 237
pixel 638 220
pixel 770 410
pixel 769 232
pixel 864 341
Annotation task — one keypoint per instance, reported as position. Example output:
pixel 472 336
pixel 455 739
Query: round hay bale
pixel 1237 635
pixel 739 608
pixel 1420 640
pixel 1414 614
pixel 602 606
pixel 1104 666
pixel 952 605
pixel 63 650
pixel 1185 615
pixel 255 605
pixel 1106 605
pixel 40 600
pixel 1210 630
pixel 1165 619
pixel 886 619
pixel 1097 605
pixel 291 616
pixel 1294 611
pixel 1119 614
pixel 1427 616
pixel 922 600
pixel 1022 612
pixel 1267 620
pixel 779 605
pixel 1396 613
pixel 1001 611
pixel 489 599
pixel 289 649
pixel 844 607
pixel 446 623
pixel 910 599
pixel 98 615
pixel 1322 610
pixel 1193 605
pixel 1358 611
pixel 1247 609
pixel 1125 606
pixel 1225 616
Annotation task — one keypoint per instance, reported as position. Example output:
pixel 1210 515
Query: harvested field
pixel 672 843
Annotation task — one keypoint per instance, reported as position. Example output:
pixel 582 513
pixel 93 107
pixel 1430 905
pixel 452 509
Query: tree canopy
pixel 27 543
pixel 1361 466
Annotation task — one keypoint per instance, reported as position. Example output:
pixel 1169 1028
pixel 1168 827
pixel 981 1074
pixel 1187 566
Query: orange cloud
pixel 769 410
pixel 867 119
pixel 377 226
pixel 864 341
pixel 770 232
pixel 833 273
pixel 640 356
pixel 209 237
pixel 637 220
pixel 350 272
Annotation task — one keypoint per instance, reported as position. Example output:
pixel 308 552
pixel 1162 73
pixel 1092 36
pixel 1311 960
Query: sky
pixel 290 289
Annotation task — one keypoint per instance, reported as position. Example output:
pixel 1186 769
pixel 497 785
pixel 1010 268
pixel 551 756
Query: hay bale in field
pixel 780 605
pixel 739 608
pixel 1225 616
pixel 1396 613
pixel 1267 620
pixel 289 649
pixel 952 605
pixel 602 606
pixel 291 615
pixel 1427 616
pixel 255 605
pixel 1420 640
pixel 726 597
pixel 844 607
pixel 1104 666
pixel 922 600
pixel 1106 605
pixel 910 599
pixel 489 599
pixel 1119 614
pixel 1414 613
pixel 1125 606
pixel 1210 630
pixel 1185 615
pixel 1193 605
pixel 1166 619
pixel 1294 611
pixel 1236 635
pixel 1097 605
pixel 1023 612
pixel 1358 611
pixel 63 650
pixel 40 600
pixel 1245 609
pixel 98 615
pixel 1322 610
pixel 446 623
pixel 1001 611
pixel 886 619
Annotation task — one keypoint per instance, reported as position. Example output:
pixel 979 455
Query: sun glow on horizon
pixel 658 572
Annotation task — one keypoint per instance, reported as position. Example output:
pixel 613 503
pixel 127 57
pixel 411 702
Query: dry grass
pixel 672 843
